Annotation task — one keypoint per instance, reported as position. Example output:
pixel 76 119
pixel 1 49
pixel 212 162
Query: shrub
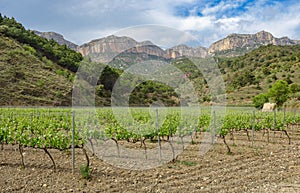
pixel 259 100
pixel 295 88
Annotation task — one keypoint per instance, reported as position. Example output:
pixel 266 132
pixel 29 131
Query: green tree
pixel 259 100
pixel 279 92
pixel 242 79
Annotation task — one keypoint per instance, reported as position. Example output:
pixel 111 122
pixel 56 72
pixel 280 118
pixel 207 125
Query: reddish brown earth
pixel 265 167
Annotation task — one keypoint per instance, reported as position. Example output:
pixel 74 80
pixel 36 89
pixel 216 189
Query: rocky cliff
pixel 58 38
pixel 236 44
pixel 105 49
pixel 183 50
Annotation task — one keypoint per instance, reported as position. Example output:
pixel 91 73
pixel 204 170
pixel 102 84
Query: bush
pixel 259 100
pixel 295 88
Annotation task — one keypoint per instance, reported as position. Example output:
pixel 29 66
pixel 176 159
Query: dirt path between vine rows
pixel 265 167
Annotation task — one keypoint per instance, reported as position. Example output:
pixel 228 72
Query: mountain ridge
pixel 247 42
pixel 58 38
pixel 37 71
pixel 106 48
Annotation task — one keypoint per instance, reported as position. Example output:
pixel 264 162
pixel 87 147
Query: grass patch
pixel 85 172
pixel 188 163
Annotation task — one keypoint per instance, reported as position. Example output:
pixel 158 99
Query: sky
pixel 81 21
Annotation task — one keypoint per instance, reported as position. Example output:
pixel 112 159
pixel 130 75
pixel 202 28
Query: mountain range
pixel 106 49
pixel 250 64
pixel 36 71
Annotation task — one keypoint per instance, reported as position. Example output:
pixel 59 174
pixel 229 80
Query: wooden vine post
pixel 73 142
pixel 158 137
pixel 253 125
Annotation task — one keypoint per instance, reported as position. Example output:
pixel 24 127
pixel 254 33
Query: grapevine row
pixel 52 128
pixel 38 130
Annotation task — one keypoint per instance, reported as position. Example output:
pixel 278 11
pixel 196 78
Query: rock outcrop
pixel 58 38
pixel 184 50
pixel 242 43
pixel 105 49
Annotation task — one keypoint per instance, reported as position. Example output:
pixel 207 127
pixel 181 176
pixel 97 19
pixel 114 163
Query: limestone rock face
pixel 148 49
pixel 184 50
pixel 105 49
pixel 247 42
pixel 108 44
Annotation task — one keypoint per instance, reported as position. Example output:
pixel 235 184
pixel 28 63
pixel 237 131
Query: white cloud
pixel 82 21
pixel 109 16
pixel 160 35
pixel 196 23
pixel 279 19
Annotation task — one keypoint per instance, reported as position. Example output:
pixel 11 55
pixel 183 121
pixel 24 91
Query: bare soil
pixel 272 166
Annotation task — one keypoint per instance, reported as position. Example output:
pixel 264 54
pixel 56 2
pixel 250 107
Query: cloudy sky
pixel 208 20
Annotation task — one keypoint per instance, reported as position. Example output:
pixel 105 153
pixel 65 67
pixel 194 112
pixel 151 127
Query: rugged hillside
pixel 238 44
pixel 34 71
pixel 255 72
pixel 27 80
pixel 37 72
pixel 58 38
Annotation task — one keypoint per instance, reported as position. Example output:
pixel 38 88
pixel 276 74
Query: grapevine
pixel 45 129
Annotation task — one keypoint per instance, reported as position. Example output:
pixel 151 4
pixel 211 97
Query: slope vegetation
pixel 25 79
pixel 256 71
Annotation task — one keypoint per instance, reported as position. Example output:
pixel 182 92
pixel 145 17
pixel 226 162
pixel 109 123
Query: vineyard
pixel 64 129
